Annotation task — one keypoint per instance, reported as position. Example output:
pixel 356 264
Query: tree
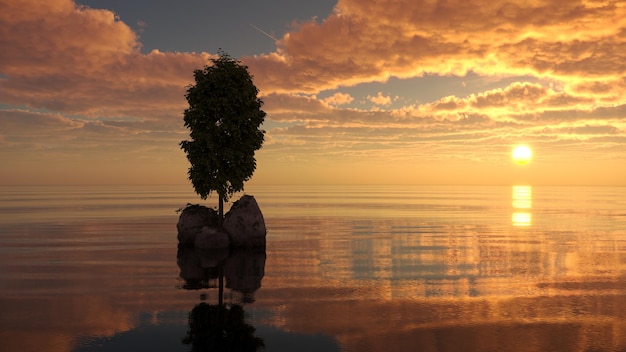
pixel 223 117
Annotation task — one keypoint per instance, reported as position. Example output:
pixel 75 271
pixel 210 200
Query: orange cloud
pixel 75 81
pixel 380 99
pixel 370 42
pixel 339 99
pixel 68 58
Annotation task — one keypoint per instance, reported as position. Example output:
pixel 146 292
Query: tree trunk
pixel 221 211
pixel 220 299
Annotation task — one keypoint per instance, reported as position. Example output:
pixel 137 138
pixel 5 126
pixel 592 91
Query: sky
pixel 356 91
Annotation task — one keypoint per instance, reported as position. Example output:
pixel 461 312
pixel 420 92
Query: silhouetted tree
pixel 224 119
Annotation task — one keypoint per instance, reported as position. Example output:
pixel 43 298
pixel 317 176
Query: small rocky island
pixel 243 226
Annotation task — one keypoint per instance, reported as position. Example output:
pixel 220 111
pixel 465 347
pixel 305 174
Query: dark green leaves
pixel 223 117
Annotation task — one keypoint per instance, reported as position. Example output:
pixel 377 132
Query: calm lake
pixel 354 268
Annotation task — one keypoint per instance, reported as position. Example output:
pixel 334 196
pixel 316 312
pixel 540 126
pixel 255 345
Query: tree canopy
pixel 224 119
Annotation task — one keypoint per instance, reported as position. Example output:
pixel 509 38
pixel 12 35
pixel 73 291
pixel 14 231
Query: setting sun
pixel 522 155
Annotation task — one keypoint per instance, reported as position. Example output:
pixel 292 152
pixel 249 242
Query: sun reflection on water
pixel 522 203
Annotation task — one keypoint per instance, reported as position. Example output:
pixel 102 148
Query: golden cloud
pixel 68 58
pixel 380 99
pixel 371 41
pixel 339 99
pixel 65 59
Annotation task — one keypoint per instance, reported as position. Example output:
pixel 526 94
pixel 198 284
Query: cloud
pixel 85 61
pixel 380 99
pixel 73 59
pixel 75 81
pixel 371 41
pixel 517 100
pixel 290 107
pixel 24 131
pixel 339 99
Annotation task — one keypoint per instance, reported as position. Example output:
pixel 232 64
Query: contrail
pixel 264 32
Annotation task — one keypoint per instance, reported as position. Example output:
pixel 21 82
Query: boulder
pixel 191 221
pixel 245 224
pixel 211 238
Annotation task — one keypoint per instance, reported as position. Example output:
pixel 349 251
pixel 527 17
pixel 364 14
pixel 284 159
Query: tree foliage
pixel 224 119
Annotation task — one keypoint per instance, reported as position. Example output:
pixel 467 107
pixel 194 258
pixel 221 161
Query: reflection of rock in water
pixel 200 267
pixel 222 327
pixel 243 269
pixel 219 328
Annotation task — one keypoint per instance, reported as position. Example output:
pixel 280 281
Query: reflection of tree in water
pixel 222 327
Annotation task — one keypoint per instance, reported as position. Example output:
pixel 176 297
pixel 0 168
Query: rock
pixel 245 224
pixel 191 221
pixel 211 237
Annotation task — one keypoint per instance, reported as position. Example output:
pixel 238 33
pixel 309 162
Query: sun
pixel 522 155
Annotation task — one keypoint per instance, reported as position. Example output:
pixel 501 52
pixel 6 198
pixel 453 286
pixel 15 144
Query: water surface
pixel 356 268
